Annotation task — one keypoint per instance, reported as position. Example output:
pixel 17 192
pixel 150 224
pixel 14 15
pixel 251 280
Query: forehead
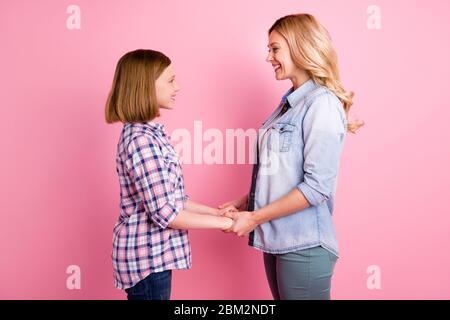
pixel 276 38
pixel 168 72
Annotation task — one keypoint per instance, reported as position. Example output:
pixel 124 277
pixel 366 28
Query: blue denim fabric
pixel 300 149
pixel 156 286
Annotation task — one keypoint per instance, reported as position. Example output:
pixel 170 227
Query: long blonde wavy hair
pixel 311 50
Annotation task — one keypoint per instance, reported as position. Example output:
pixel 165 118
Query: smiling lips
pixel 276 67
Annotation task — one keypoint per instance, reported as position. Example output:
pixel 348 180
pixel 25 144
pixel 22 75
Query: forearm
pixel 191 220
pixel 200 208
pixel 292 202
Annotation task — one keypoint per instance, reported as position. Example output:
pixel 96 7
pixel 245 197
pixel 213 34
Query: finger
pixel 224 205
pixel 229 214
pixel 232 214
pixel 226 209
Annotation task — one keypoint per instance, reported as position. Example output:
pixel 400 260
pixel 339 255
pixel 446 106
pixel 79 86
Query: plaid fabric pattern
pixel 151 195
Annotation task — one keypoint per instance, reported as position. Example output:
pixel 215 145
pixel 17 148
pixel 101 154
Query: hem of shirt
pixel 146 274
pixel 294 248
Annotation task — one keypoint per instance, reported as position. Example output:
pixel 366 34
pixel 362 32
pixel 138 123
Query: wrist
pixel 257 217
pixel 226 223
pixel 214 212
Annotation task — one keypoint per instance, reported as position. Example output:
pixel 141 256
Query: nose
pixel 269 57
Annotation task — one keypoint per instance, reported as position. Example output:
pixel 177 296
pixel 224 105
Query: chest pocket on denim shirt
pixel 281 137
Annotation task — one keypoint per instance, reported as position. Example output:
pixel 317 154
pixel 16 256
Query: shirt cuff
pixel 314 198
pixel 165 215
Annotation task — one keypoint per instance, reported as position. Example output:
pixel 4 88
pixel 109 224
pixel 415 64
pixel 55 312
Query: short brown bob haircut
pixel 133 97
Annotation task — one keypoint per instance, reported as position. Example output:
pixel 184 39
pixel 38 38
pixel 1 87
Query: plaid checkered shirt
pixel 151 196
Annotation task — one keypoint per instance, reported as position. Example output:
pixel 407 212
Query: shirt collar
pixel 293 97
pixel 151 125
pixel 156 126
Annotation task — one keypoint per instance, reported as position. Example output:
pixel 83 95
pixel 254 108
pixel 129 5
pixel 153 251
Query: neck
pixel 299 79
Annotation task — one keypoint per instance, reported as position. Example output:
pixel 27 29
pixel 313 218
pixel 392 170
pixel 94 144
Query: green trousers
pixel 300 275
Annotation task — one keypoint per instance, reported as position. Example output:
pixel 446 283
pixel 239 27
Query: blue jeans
pixel 300 275
pixel 156 286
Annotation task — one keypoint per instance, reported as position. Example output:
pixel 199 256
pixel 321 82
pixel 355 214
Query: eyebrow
pixel 273 44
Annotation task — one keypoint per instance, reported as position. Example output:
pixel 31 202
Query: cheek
pixel 282 59
pixel 288 64
pixel 165 92
pixel 162 94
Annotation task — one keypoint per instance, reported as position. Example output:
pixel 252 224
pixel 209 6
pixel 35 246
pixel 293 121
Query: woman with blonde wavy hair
pixel 288 211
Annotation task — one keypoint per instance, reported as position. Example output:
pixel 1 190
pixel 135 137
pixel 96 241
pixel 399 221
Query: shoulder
pixel 324 111
pixel 138 137
pixel 324 99
pixel 323 95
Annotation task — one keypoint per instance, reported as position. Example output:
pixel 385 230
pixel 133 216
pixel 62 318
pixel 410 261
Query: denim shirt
pixel 300 149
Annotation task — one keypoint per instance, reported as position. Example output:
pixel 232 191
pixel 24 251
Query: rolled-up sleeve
pixel 152 180
pixel 323 133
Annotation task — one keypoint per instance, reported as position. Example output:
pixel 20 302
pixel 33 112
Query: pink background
pixel 59 190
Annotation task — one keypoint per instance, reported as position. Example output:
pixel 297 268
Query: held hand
pixel 244 222
pixel 233 206
pixel 232 215
pixel 226 209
